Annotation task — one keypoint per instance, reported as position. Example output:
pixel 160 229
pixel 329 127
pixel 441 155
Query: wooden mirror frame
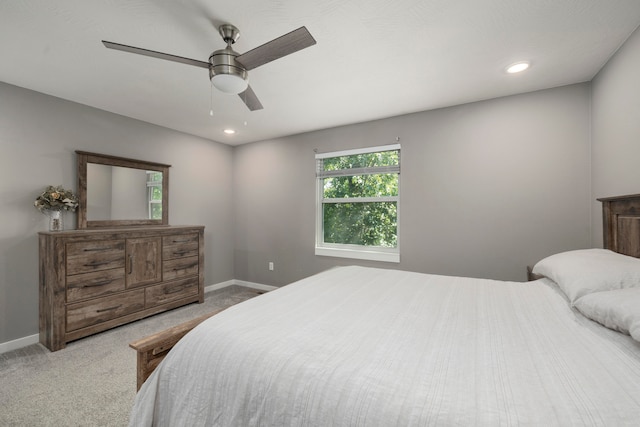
pixel 84 157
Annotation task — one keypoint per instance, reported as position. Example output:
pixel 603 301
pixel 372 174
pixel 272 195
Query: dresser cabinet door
pixel 144 261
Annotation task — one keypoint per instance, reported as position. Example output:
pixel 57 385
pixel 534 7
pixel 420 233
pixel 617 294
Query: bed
pixel 356 346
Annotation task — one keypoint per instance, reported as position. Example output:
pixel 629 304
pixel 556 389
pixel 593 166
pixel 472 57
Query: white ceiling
pixel 373 58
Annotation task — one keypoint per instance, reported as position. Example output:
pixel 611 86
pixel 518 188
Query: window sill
pixel 371 255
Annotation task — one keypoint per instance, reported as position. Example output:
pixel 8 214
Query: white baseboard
pixel 19 343
pixel 255 285
pixel 244 283
pixel 33 339
pixel 220 285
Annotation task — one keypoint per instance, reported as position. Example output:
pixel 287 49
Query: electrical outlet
pixel 270 266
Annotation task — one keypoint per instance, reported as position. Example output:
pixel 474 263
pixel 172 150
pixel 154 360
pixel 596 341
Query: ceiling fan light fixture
pixel 226 74
pixel 229 83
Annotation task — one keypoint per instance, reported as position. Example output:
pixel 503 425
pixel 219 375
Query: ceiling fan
pixel 228 70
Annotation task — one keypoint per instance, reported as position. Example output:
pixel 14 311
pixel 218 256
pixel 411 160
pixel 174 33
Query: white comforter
pixel 358 346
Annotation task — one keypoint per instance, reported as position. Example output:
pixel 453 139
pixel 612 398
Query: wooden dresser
pixel 93 280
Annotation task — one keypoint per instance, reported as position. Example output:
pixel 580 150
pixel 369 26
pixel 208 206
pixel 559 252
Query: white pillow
pixel 584 271
pixel 618 310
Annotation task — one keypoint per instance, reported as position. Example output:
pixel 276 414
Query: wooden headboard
pixel 621 224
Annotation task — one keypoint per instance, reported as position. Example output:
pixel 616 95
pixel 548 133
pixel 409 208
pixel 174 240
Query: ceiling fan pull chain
pixel 211 99
pixel 243 96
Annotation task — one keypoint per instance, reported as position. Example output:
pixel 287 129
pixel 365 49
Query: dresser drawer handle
pixel 102 310
pixel 91 285
pixel 96 249
pixel 180 252
pixel 186 267
pixel 181 241
pixel 174 290
pixel 96 263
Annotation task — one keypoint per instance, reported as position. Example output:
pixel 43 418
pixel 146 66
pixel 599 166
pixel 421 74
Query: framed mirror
pixel 116 191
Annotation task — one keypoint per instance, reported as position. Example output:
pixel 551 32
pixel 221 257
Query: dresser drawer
pixel 98 283
pixel 180 246
pixel 93 312
pixel 168 292
pixel 180 267
pixel 85 257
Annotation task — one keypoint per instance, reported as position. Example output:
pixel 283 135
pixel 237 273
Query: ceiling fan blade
pixel 277 48
pixel 250 99
pixel 154 54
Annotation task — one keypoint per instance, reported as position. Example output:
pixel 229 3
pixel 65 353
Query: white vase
pixel 56 220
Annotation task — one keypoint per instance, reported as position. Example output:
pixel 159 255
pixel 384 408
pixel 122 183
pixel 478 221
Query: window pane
pixel 361 186
pixel 156 211
pixel 154 176
pixel 368 224
pixel 382 158
pixel 156 193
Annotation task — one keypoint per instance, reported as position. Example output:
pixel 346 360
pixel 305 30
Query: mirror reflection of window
pixel 119 193
pixel 154 194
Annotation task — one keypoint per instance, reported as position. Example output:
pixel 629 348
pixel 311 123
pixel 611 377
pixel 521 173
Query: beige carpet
pixel 91 382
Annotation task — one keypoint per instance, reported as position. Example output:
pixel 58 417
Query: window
pixel 358 194
pixel 154 194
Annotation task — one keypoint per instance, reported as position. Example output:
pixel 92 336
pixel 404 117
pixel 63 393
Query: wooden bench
pixel 152 349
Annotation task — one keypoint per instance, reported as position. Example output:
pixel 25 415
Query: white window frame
pixel 150 200
pixel 372 253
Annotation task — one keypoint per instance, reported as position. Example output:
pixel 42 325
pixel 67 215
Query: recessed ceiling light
pixel 517 67
pixel 229 131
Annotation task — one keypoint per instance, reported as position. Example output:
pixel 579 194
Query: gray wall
pixel 616 129
pixel 38 137
pixel 486 189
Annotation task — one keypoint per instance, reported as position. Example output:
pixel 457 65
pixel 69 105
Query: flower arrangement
pixel 56 199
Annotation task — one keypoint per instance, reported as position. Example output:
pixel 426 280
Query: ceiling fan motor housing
pixel 225 68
